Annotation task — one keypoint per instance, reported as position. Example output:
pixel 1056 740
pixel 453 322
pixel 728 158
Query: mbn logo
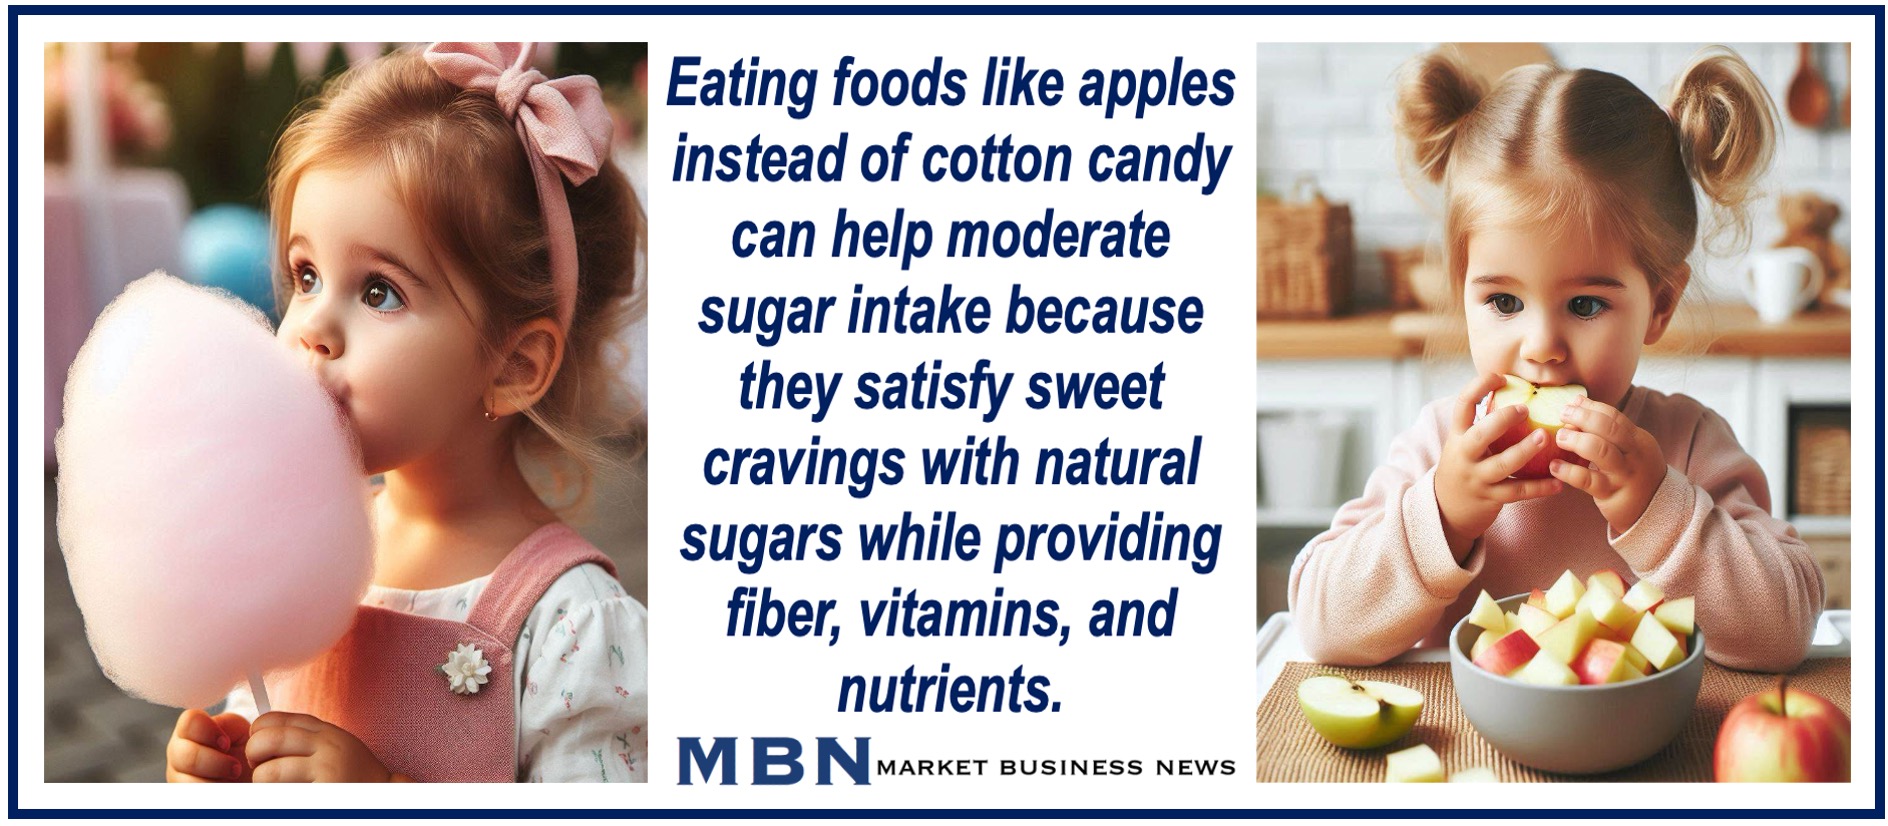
pixel 776 760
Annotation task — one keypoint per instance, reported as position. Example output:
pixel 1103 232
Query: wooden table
pixel 1278 644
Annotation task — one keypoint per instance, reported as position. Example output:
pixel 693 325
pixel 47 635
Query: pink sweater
pixel 1381 579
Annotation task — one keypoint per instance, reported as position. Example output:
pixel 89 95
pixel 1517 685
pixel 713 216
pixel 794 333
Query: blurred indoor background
pixel 1349 347
pixel 156 155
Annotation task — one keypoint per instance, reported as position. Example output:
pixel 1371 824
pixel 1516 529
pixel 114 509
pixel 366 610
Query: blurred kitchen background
pixel 156 155
pixel 1349 349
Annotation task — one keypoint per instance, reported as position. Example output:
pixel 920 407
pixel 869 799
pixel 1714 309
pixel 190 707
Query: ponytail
pixel 1435 93
pixel 1727 130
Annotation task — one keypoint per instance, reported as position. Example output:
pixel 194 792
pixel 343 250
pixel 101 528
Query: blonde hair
pixel 458 167
pixel 1586 150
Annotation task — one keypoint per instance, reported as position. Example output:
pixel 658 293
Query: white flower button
pixel 466 669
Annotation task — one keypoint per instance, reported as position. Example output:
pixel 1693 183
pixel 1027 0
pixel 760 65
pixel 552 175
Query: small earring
pixel 490 416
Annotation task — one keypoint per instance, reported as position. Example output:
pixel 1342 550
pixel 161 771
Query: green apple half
pixel 1359 714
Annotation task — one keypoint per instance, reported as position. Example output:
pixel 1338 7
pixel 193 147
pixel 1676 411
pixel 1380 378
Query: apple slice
pixel 1656 642
pixel 1535 620
pixel 1569 637
pixel 1637 659
pixel 1416 764
pixel 1508 653
pixel 1475 774
pixel 1565 595
pixel 1678 615
pixel 1544 669
pixel 1487 614
pixel 1643 596
pixel 1544 404
pixel 1538 599
pixel 1604 661
pixel 1360 714
pixel 1482 643
pixel 1609 609
pixel 1610 580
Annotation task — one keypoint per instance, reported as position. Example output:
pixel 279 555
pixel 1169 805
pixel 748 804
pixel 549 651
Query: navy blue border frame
pixel 13 422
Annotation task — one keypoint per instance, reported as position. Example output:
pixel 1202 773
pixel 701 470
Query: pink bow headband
pixel 564 127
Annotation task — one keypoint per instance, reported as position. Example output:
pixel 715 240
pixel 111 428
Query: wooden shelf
pixel 1717 330
pixel 1361 336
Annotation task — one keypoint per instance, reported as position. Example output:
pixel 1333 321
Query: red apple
pixel 1784 735
pixel 1544 404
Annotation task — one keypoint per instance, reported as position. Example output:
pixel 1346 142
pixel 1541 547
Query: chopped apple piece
pixel 1609 609
pixel 1416 764
pixel 1604 661
pixel 1656 642
pixel 1637 659
pixel 1487 614
pixel 1510 652
pixel 1569 637
pixel 1545 670
pixel 1643 596
pixel 1475 774
pixel 1610 580
pixel 1535 620
pixel 1678 615
pixel 1537 598
pixel 1482 643
pixel 1565 595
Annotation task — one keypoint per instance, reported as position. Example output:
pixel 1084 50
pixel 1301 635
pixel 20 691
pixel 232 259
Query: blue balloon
pixel 227 246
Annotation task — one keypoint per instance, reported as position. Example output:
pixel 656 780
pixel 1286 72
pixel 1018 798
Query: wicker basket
pixel 1304 256
pixel 1822 468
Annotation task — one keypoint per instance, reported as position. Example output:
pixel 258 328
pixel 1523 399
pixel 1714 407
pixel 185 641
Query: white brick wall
pixel 1325 113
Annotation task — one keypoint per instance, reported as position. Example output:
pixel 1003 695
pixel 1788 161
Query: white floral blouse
pixel 580 718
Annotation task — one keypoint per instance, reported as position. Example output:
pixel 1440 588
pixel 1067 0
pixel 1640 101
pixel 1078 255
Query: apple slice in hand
pixel 1544 404
pixel 1360 714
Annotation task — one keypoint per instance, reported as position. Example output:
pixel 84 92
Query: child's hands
pixel 205 749
pixel 1471 485
pixel 297 748
pixel 1624 463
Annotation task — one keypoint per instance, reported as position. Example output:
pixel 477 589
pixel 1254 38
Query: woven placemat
pixel 1290 752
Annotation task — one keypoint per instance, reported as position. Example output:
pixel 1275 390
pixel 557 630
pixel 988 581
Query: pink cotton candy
pixel 212 507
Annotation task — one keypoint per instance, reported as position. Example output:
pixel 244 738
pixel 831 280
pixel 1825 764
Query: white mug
pixel 1782 281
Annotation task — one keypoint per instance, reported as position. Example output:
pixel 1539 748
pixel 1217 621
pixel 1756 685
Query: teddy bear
pixel 1807 220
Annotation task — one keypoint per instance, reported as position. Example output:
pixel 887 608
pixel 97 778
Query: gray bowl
pixel 1578 729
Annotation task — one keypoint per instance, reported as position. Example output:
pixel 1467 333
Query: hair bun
pixel 1434 93
pixel 1727 128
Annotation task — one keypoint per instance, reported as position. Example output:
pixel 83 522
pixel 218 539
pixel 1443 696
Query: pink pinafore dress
pixel 383 682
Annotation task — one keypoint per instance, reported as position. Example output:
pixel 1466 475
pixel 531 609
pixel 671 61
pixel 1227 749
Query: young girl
pixel 457 253
pixel 1569 215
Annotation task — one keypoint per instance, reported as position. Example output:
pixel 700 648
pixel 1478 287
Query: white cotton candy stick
pixel 212 508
